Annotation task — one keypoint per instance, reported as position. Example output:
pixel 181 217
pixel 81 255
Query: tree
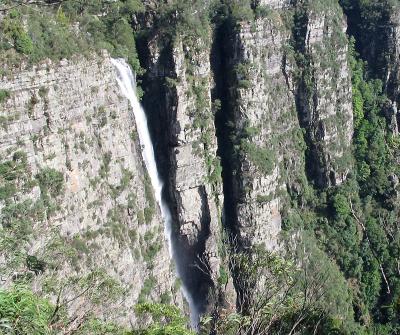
pixel 277 296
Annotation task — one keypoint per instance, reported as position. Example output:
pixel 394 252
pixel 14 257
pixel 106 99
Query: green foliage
pixel 262 11
pixel 234 12
pixel 36 265
pixel 371 152
pixel 49 31
pixel 167 320
pixel 149 211
pixel 23 312
pixel 148 214
pixel 15 34
pixel 341 205
pixel 355 222
pixel 14 176
pixel 148 286
pixel 51 181
pixel 150 252
pixel 95 326
pixel 187 19
pixel 243 74
pixel 17 226
pixel 223 276
pixel 371 22
pixel 105 165
pixel 277 296
pixel 4 95
pixel 263 158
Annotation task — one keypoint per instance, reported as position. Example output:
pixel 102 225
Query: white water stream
pixel 127 83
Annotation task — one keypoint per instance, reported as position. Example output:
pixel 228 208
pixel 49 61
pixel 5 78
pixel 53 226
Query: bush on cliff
pixel 37 31
pixel 23 312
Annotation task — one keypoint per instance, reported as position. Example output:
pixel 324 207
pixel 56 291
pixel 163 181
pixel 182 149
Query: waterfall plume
pixel 127 83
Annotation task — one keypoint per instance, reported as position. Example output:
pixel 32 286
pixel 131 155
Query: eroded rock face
pixel 71 118
pixel 376 29
pixel 179 75
pixel 390 51
pixel 325 96
pixel 264 114
pixel 275 4
pixel 275 94
pixel 288 117
pixel 271 126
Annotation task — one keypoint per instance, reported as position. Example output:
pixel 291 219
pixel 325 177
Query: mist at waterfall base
pixel 127 83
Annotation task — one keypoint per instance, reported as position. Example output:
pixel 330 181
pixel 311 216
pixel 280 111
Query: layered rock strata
pixel 76 131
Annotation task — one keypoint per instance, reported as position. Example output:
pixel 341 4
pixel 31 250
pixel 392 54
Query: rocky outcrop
pixel 268 138
pixel 375 26
pixel 274 4
pixel 178 98
pixel 324 93
pixel 290 109
pixel 96 224
pixel 393 68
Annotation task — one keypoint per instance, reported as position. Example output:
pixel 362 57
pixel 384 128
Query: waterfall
pixel 127 83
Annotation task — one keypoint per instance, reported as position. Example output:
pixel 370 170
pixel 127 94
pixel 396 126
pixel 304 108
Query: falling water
pixel 126 81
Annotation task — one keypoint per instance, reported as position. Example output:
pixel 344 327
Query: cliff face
pixel 324 91
pixel 82 205
pixel 179 76
pixel 275 96
pixel 394 68
pixel 289 105
pixel 376 28
pixel 271 97
pixel 268 145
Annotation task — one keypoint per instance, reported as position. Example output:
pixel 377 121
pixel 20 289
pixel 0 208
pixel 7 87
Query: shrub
pixel 341 205
pixel 262 158
pixel 105 166
pixel 167 319
pixel 51 181
pixel 223 276
pixel 148 214
pixel 262 11
pixel 22 312
pixel 244 84
pixel 241 11
pixel 4 95
pixel 50 31
pixel 23 43
pixel 147 287
pixel 34 264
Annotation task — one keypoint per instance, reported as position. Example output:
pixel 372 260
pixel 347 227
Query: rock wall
pixel 394 67
pixel 70 122
pixel 179 76
pixel 324 92
pixel 375 25
pixel 271 97
pixel 289 101
pixel 273 118
pixel 267 137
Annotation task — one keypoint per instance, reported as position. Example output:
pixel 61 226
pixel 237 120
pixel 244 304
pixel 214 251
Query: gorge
pixel 226 164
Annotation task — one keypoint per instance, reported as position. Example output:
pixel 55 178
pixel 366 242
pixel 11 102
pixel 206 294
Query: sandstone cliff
pixel 272 98
pixel 246 118
pixel 289 105
pixel 82 205
pixel 179 75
